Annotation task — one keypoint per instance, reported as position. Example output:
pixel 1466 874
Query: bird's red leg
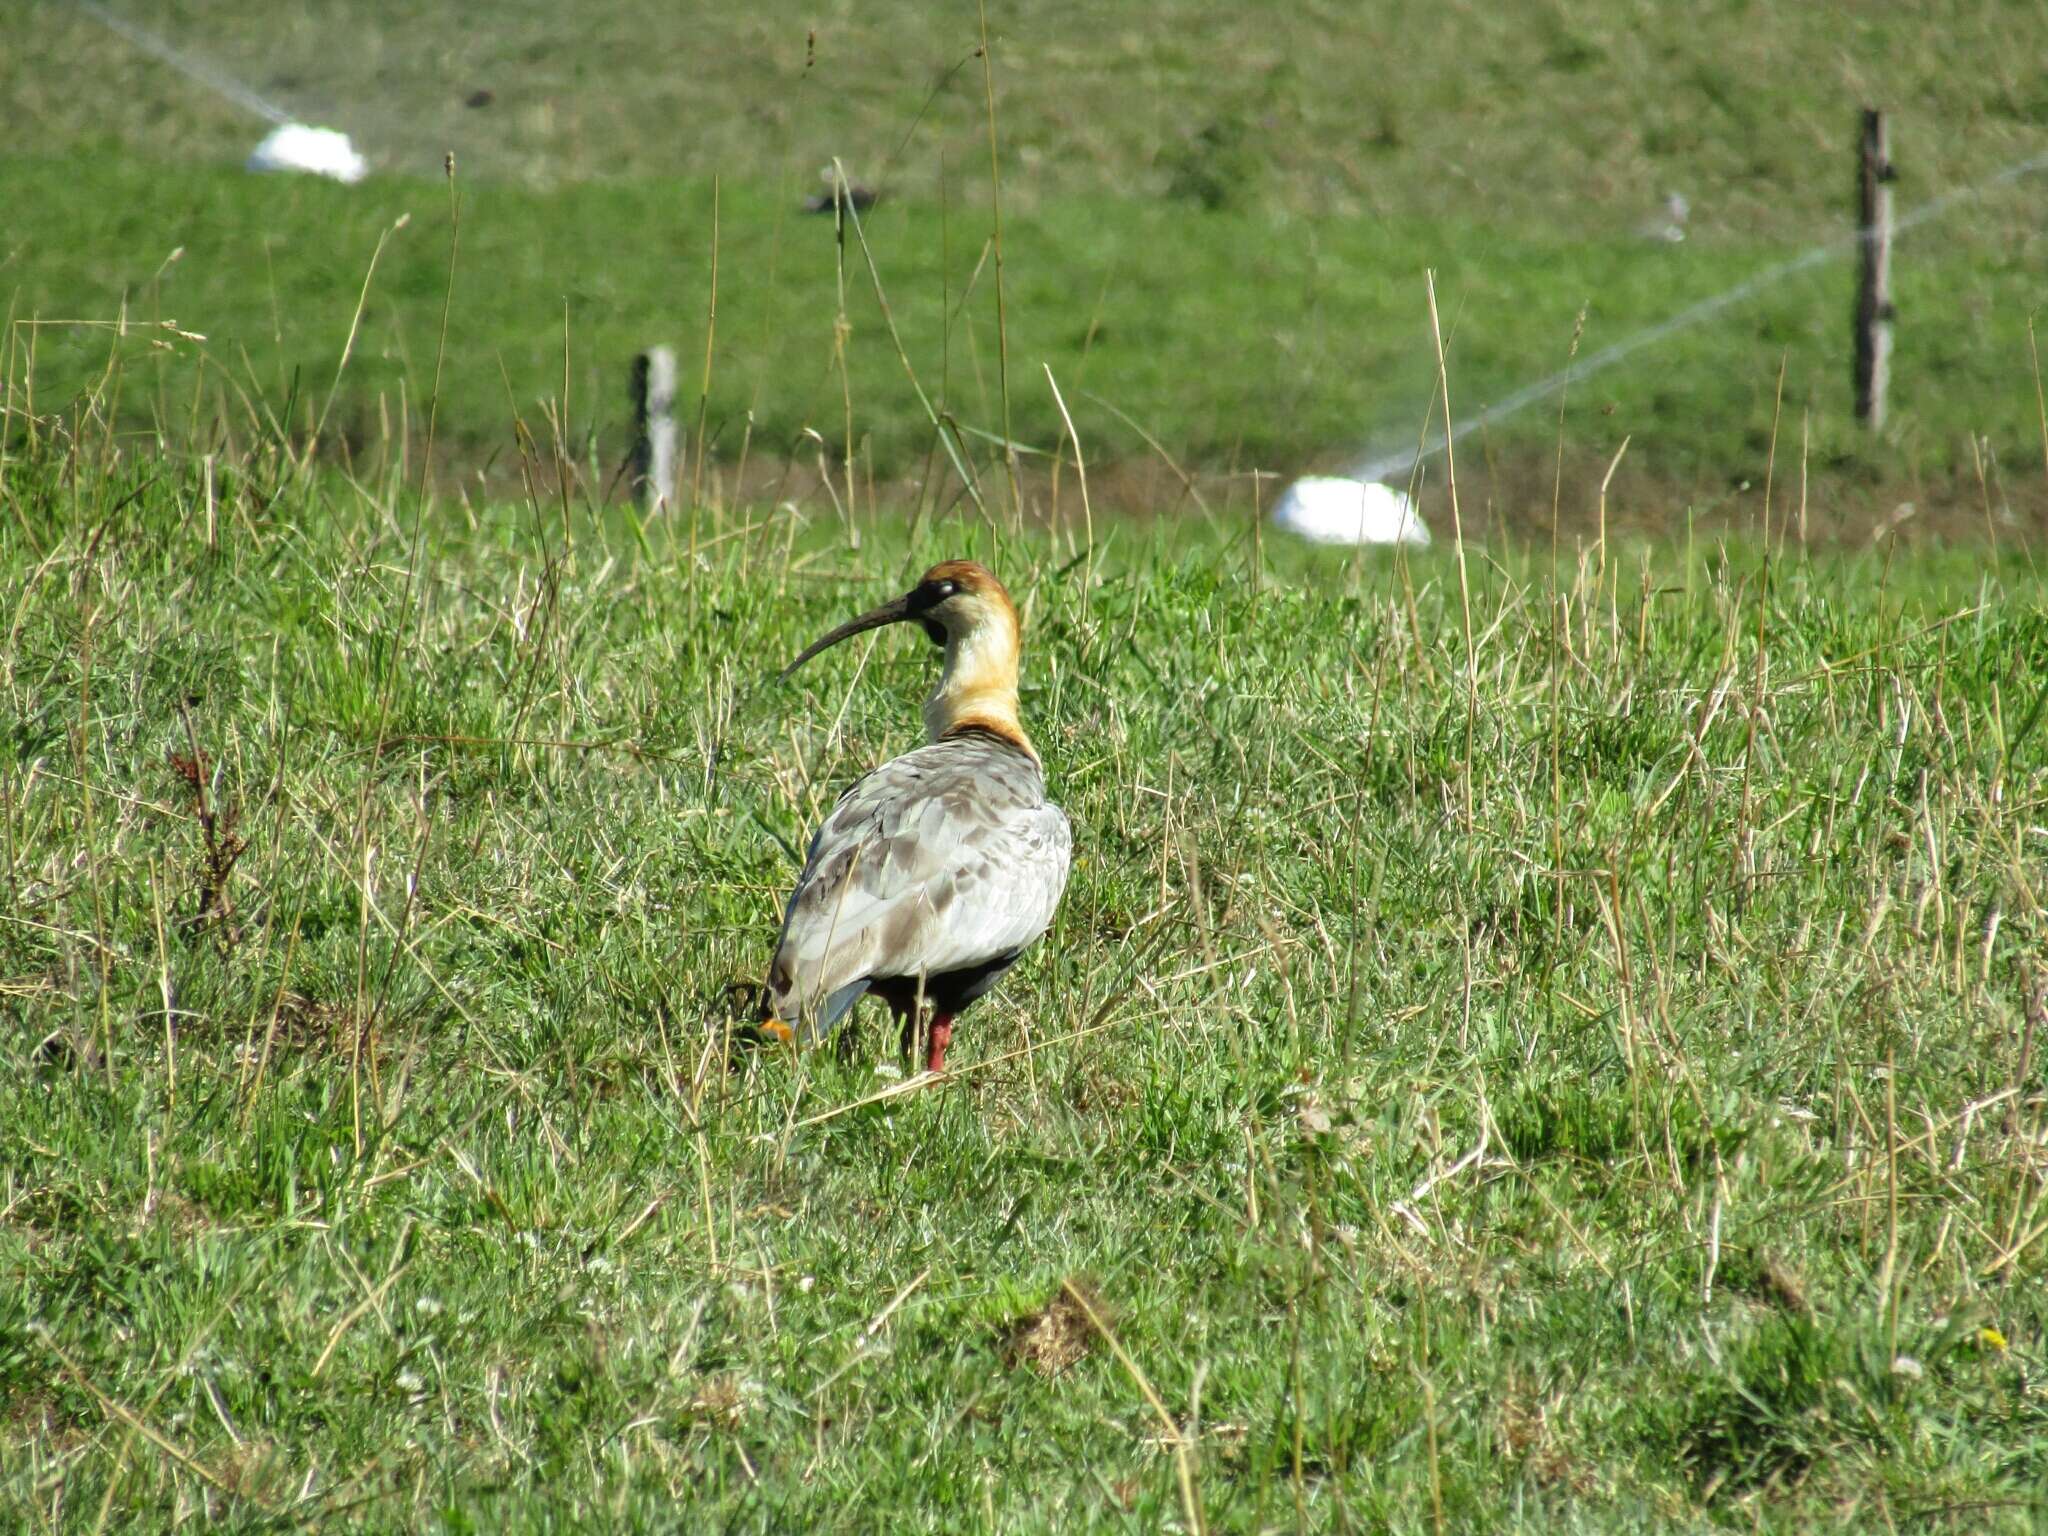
pixel 942 1036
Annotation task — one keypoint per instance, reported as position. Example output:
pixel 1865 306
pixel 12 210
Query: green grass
pixel 1588 1087
pixel 1229 344
pixel 1569 117
pixel 1281 329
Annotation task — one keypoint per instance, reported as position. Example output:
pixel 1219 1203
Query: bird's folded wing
pixel 920 872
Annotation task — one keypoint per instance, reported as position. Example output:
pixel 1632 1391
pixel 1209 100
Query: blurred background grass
pixel 1217 223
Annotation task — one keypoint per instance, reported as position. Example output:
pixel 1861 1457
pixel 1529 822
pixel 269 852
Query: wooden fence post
pixel 1874 284
pixel 654 427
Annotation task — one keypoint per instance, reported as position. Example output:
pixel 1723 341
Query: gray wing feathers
pixel 944 858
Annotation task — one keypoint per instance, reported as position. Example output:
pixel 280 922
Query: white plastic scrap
pixel 315 151
pixel 1335 509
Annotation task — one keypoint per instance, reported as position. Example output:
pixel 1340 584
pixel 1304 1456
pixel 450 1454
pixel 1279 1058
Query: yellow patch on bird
pixel 775 1029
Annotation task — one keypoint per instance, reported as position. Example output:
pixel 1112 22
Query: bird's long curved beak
pixel 889 613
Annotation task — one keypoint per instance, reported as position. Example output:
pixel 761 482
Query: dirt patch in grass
pixel 38 1417
pixel 1528 1433
pixel 1055 1337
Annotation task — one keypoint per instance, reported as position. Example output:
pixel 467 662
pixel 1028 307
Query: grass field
pixel 1515 1054
pixel 1218 222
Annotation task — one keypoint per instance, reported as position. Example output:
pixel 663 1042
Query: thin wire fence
pixel 1402 460
pixel 1392 459
pixel 198 70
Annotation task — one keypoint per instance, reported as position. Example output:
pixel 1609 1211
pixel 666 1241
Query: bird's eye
pixel 947 589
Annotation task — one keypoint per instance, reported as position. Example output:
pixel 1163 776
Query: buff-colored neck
pixel 977 690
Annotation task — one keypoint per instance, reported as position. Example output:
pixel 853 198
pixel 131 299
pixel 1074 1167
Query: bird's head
pixel 965 611
pixel 955 603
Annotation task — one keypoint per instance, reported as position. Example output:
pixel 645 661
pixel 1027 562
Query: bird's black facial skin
pixel 926 596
